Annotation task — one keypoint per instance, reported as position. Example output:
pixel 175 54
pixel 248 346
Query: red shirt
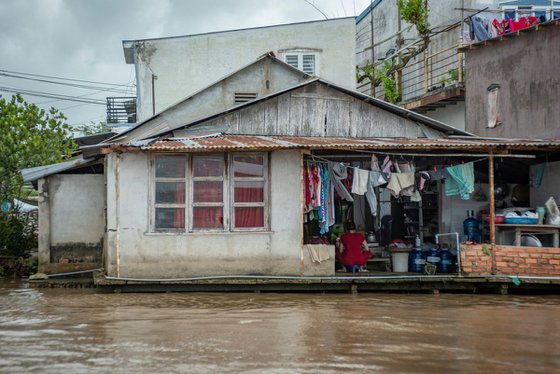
pixel 353 254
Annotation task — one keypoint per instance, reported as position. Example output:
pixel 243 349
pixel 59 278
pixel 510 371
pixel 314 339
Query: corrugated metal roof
pixel 221 142
pixel 33 174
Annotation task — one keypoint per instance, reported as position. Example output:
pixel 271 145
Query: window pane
pixel 208 192
pixel 249 192
pixel 170 218
pixel 208 166
pixel 509 14
pixel 309 64
pixel 248 166
pixel 249 217
pixel 292 60
pixel 170 166
pixel 170 192
pixel 208 217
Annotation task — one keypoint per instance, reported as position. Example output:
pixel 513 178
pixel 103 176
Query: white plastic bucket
pixel 400 262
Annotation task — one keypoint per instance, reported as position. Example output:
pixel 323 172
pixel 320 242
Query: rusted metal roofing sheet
pixel 220 142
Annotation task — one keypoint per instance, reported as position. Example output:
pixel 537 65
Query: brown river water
pixel 84 331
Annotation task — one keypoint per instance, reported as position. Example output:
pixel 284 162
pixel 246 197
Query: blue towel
pixel 460 181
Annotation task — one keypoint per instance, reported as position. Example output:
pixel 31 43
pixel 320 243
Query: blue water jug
pixel 445 262
pixel 417 259
pixel 434 256
pixel 471 227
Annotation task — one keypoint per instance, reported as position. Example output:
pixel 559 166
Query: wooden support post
pixel 492 209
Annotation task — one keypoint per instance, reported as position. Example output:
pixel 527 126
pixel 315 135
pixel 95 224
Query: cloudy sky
pixel 41 40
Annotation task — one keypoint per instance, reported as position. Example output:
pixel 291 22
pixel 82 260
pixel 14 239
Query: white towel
pixel 320 252
pixel 359 181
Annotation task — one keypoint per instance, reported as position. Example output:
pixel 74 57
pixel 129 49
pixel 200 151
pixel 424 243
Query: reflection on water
pixel 65 330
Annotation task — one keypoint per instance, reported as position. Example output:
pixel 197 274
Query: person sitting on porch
pixel 353 250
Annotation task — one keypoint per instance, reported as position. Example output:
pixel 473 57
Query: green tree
pixel 29 136
pixel 93 128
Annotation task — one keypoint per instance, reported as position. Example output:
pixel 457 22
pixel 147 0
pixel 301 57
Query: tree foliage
pixel 415 12
pixel 93 128
pixel 30 137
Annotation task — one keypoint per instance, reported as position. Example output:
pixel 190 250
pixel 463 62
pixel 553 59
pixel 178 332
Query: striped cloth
pixel 460 180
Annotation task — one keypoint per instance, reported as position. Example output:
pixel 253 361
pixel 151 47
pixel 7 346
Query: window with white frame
pixel 304 61
pixel 170 192
pixel 207 180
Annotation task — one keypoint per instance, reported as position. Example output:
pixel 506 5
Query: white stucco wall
pixel 453 115
pixel 133 251
pixel 76 208
pixel 184 65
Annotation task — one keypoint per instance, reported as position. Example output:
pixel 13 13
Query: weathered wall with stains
pixel 316 110
pixel 526 66
pixel 71 221
pixel 133 251
pixel 262 78
pixel 186 64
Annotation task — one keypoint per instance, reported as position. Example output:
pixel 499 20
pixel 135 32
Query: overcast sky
pixel 81 39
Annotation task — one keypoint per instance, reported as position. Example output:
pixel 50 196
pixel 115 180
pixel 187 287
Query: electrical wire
pixel 52 96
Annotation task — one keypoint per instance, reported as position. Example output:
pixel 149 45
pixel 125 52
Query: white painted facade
pixel 186 64
pixel 71 219
pixel 134 250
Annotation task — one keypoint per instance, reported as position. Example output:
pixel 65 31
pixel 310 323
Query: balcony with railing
pixel 121 111
pixel 433 79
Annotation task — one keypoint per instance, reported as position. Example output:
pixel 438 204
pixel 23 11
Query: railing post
pixel 426 71
pixel 461 67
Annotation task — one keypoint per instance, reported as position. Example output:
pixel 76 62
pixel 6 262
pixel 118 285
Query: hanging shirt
pixel 375 179
pixel 360 181
pixel 337 174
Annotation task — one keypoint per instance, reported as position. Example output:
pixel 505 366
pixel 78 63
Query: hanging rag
pixel 360 181
pixel 386 166
pixel 479 26
pixel 400 182
pixel 460 180
pixel 319 252
pixel 376 179
pixel 337 174
pixel 374 164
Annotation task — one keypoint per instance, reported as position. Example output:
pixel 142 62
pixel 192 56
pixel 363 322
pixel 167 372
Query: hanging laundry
pixel 400 182
pixel 337 173
pixel 360 181
pixel 479 28
pixel 386 166
pixel 460 180
pixel 375 179
pixel 374 163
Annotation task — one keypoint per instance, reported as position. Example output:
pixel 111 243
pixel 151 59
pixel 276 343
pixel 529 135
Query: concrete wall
pixel 526 67
pixel 452 115
pixel 187 64
pixel 133 251
pixel 71 221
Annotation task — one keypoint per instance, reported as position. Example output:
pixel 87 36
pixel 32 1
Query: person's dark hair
pixel 350 225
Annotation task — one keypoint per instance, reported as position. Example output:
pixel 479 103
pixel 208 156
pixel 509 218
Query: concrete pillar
pixel 44 237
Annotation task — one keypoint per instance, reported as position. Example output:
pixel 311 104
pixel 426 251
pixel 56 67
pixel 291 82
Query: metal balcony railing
pixel 431 72
pixel 121 110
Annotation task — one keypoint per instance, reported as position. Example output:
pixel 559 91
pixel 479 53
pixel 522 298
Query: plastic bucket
pixel 400 262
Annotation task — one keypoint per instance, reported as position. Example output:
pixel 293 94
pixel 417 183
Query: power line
pixel 52 96
pixel 75 85
pixel 61 78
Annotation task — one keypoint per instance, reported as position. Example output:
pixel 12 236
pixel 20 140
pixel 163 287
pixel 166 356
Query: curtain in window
pixel 208 217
